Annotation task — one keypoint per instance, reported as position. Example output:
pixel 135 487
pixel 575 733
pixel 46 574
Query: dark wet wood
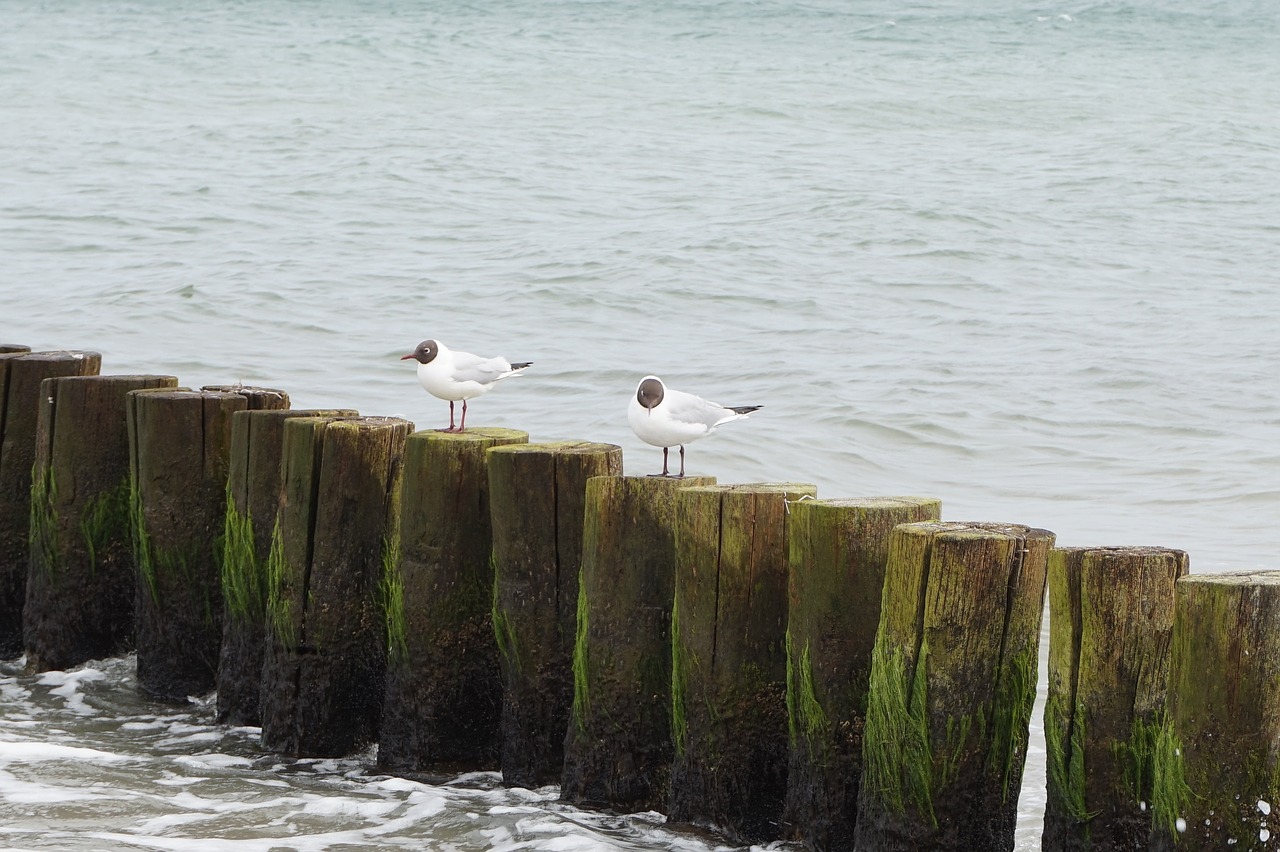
pixel 729 622
pixel 537 498
pixel 325 660
pixel 20 376
pixel 444 691
pixel 80 586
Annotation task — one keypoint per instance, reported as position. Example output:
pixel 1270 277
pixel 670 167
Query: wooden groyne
pixel 80 585
pixel 325 661
pixel 254 484
pixel 538 496
pixel 1111 617
pixel 618 747
pixel 851 674
pixel 21 373
pixel 838 550
pixel 952 683
pixel 728 658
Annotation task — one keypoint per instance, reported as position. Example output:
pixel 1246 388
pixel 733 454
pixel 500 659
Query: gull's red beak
pixel 406 357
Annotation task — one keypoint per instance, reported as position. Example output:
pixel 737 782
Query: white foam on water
pixel 67 686
pixel 34 751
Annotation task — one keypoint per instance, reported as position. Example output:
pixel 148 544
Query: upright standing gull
pixel 458 375
pixel 664 417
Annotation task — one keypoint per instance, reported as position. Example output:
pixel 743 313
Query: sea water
pixel 1021 257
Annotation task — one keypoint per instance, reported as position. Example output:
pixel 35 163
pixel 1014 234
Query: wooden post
pixel 258 399
pixel 444 694
pixel 729 662
pixel 80 586
pixel 326 654
pixel 1217 756
pixel 1110 619
pixel 13 349
pixel 537 503
pixel 953 679
pixel 618 745
pixel 179 443
pixel 253 498
pixel 20 377
pixel 838 551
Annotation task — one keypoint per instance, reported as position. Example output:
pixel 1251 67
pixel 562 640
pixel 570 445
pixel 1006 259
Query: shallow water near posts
pixel 1018 258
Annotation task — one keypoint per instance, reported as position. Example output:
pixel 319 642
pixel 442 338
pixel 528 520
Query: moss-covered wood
pixel 953 677
pixel 179 445
pixel 20 376
pixel 253 498
pixel 729 662
pixel 618 747
pixel 1110 620
pixel 444 691
pixel 537 503
pixel 1217 758
pixel 325 660
pixel 258 399
pixel 80 586
pixel 838 551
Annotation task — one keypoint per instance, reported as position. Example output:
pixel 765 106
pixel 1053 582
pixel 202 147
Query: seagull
pixel 664 417
pixel 458 375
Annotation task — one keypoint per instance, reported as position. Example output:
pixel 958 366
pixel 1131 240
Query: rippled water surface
pixel 1020 257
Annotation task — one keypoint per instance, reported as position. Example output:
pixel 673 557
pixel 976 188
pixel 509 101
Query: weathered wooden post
pixel 838 551
pixel 325 660
pixel 953 679
pixel 20 376
pixel 13 349
pixel 179 443
pixel 1217 758
pixel 253 497
pixel 537 498
pixel 1110 619
pixel 729 662
pixel 618 747
pixel 80 586
pixel 444 693
pixel 257 399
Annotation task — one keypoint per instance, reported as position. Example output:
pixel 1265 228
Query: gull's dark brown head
pixel 650 392
pixel 425 353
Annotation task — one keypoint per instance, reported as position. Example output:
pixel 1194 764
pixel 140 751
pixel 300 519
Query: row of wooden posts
pixel 852 674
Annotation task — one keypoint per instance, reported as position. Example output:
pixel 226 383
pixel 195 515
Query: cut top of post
pixel 793 490
pixel 879 502
pixel 258 398
pixel 1233 579
pixel 475 433
pixel 576 447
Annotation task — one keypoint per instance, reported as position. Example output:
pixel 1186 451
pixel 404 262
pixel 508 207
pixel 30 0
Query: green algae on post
pixel 731 593
pixel 179 444
pixel 837 550
pixel 1111 615
pixel 618 749
pixel 537 502
pixel 80 589
pixel 951 686
pixel 1214 759
pixel 442 708
pixel 326 660
pixel 21 402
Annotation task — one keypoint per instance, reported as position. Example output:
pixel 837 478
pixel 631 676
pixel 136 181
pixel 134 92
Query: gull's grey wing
pixel 473 368
pixel 687 408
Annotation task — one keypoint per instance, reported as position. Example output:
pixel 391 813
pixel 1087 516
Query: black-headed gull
pixel 664 417
pixel 458 375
